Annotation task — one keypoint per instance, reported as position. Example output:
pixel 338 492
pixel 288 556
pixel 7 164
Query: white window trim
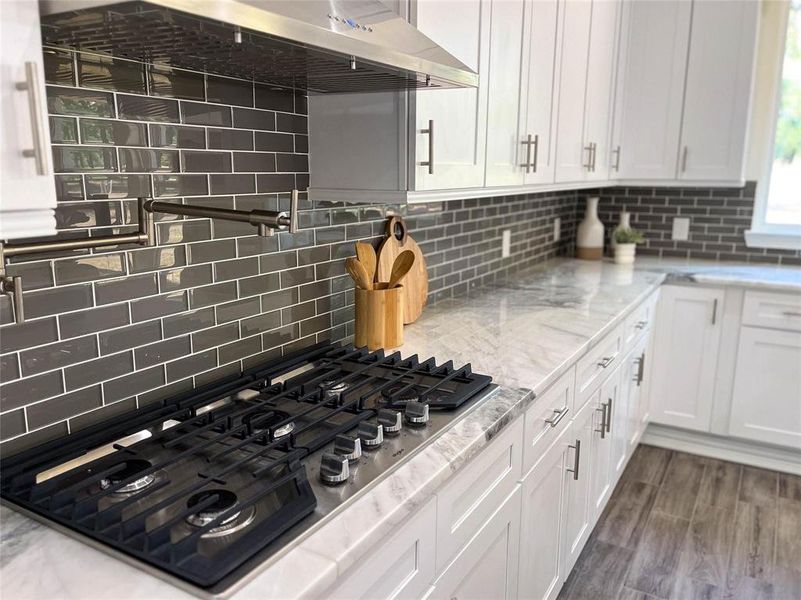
pixel 762 234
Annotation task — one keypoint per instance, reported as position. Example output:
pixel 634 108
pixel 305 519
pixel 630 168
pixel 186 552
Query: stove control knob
pixel 348 447
pixel 390 420
pixel 371 434
pixel 334 469
pixel 416 413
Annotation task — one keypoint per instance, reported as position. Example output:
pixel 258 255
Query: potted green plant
pixel 626 240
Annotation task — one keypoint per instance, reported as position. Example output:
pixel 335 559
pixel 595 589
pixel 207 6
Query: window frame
pixel 763 234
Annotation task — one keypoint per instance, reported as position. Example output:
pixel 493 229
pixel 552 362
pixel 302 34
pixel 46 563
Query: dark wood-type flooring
pixel 684 527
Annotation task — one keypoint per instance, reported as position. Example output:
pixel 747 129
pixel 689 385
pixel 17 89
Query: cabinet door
pixel 539 70
pixel 27 187
pixel 505 113
pixel 487 566
pixel 572 157
pixel 650 88
pixel 402 568
pixel 601 468
pixel 577 525
pixel 718 92
pixel 600 78
pixel 766 404
pixel 633 385
pixel 541 528
pixel 459 116
pixel 685 356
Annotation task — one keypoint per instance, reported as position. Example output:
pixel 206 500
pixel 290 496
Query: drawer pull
pixel 558 415
pixel 609 416
pixel 641 324
pixel 603 428
pixel 606 361
pixel 790 313
pixel 576 460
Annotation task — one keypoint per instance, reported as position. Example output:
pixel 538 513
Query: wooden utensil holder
pixel 379 317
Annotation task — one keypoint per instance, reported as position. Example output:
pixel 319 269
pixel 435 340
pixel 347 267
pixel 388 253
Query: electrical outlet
pixel 681 229
pixel 506 243
pixel 557 229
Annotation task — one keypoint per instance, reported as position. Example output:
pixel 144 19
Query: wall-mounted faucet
pixel 267 222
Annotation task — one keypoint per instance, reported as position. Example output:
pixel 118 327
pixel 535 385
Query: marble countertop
pixel 525 332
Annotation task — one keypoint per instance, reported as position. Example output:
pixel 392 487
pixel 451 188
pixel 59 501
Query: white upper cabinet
pixel 600 79
pixel 573 155
pixel 686 343
pixel 455 157
pixel 717 97
pixel 650 89
pixel 505 152
pixel 27 188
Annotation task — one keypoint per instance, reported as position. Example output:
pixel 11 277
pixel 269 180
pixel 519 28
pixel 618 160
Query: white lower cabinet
pixel 633 386
pixel 766 404
pixel 487 566
pixel 601 468
pixel 541 573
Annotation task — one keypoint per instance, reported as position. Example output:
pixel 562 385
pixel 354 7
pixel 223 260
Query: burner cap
pixel 267 419
pixel 332 389
pixel 225 500
pixel 130 468
pixel 395 394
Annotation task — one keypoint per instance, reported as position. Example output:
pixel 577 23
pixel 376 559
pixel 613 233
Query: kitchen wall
pixel 112 330
pixel 718 217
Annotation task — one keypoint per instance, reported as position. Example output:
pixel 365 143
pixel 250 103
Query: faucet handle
pixel 12 286
pixel 294 226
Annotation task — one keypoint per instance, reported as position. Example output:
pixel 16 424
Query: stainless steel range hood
pixel 323 46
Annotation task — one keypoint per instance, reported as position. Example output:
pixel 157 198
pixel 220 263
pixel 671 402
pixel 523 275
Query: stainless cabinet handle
pixel 603 428
pixel 714 311
pixel 536 151
pixel 609 416
pixel 594 155
pixel 430 162
pixel 641 324
pixel 39 152
pixel 641 369
pixel 527 143
pixel 684 159
pixel 616 165
pixel 588 148
pixel 576 460
pixel 606 361
pixel 558 415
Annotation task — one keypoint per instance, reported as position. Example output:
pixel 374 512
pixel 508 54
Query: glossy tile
pixel 191 365
pixel 183 231
pixel 246 118
pixel 12 424
pixel 216 336
pixel 230 139
pixel 117 133
pixel 236 269
pixel 233 184
pixel 212 294
pixel 154 259
pixel 125 288
pixel 129 337
pixel 206 162
pixel 211 251
pixel 279 299
pixel 80 159
pixel 175 136
pixel 19 393
pixel 229 91
pixel 240 349
pixel 60 354
pixel 254 162
pixel 30 333
pixel 98 370
pixel 117 186
pixel 275 183
pixel 292 162
pixel 278 262
pixel 147 161
pixel 147 109
pixel 274 142
pixel 261 284
pixel 261 323
pixel 256 244
pixel 90 321
pixel 159 306
pixel 9 367
pixel 171 186
pixel 36 274
pixel 175 83
pixel 274 98
pixel 68 187
pixel 160 352
pixel 188 322
pixel 64 406
pixel 109 73
pixel 58 67
pixel 63 130
pixel 111 409
pixel 302 143
pixel 185 277
pixel 34 438
pixel 89 268
pixel 238 309
pixel 64 101
pixel 197 113
pixel 56 300
pixel 291 123
pixel 135 383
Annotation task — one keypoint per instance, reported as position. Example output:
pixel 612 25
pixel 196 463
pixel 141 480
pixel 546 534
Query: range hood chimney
pixel 321 46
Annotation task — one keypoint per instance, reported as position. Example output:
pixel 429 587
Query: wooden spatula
pixel 366 254
pixel 359 273
pixel 400 267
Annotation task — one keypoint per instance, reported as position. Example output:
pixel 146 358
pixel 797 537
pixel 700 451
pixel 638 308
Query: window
pixel 777 214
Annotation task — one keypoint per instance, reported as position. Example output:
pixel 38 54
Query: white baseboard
pixel 752 454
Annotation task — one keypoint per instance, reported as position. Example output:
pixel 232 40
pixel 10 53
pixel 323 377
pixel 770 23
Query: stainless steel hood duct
pixel 333 46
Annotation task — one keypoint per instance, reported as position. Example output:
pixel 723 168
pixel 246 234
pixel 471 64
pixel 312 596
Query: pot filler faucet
pixel 267 222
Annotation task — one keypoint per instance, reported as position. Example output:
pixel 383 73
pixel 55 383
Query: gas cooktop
pixel 207 485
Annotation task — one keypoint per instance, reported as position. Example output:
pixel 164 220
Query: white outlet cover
pixel 557 229
pixel 681 229
pixel 506 243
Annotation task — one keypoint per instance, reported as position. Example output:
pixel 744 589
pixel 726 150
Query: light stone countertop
pixel 524 332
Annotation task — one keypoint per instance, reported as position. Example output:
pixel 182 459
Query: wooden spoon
pixel 400 267
pixel 366 254
pixel 359 273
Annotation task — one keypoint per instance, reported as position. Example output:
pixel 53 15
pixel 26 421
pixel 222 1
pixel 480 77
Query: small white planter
pixel 624 253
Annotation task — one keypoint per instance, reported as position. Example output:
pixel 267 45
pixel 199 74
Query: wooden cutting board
pixel 415 284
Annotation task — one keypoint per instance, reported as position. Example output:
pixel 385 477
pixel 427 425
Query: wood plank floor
pixel 684 527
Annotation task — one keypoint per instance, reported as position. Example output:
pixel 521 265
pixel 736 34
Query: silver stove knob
pixel 371 434
pixel 390 420
pixel 348 447
pixel 334 469
pixel 416 413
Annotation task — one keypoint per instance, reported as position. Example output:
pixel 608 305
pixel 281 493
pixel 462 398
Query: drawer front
pixel 475 492
pixel 403 567
pixel 638 322
pixel 777 311
pixel 546 418
pixel 593 367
